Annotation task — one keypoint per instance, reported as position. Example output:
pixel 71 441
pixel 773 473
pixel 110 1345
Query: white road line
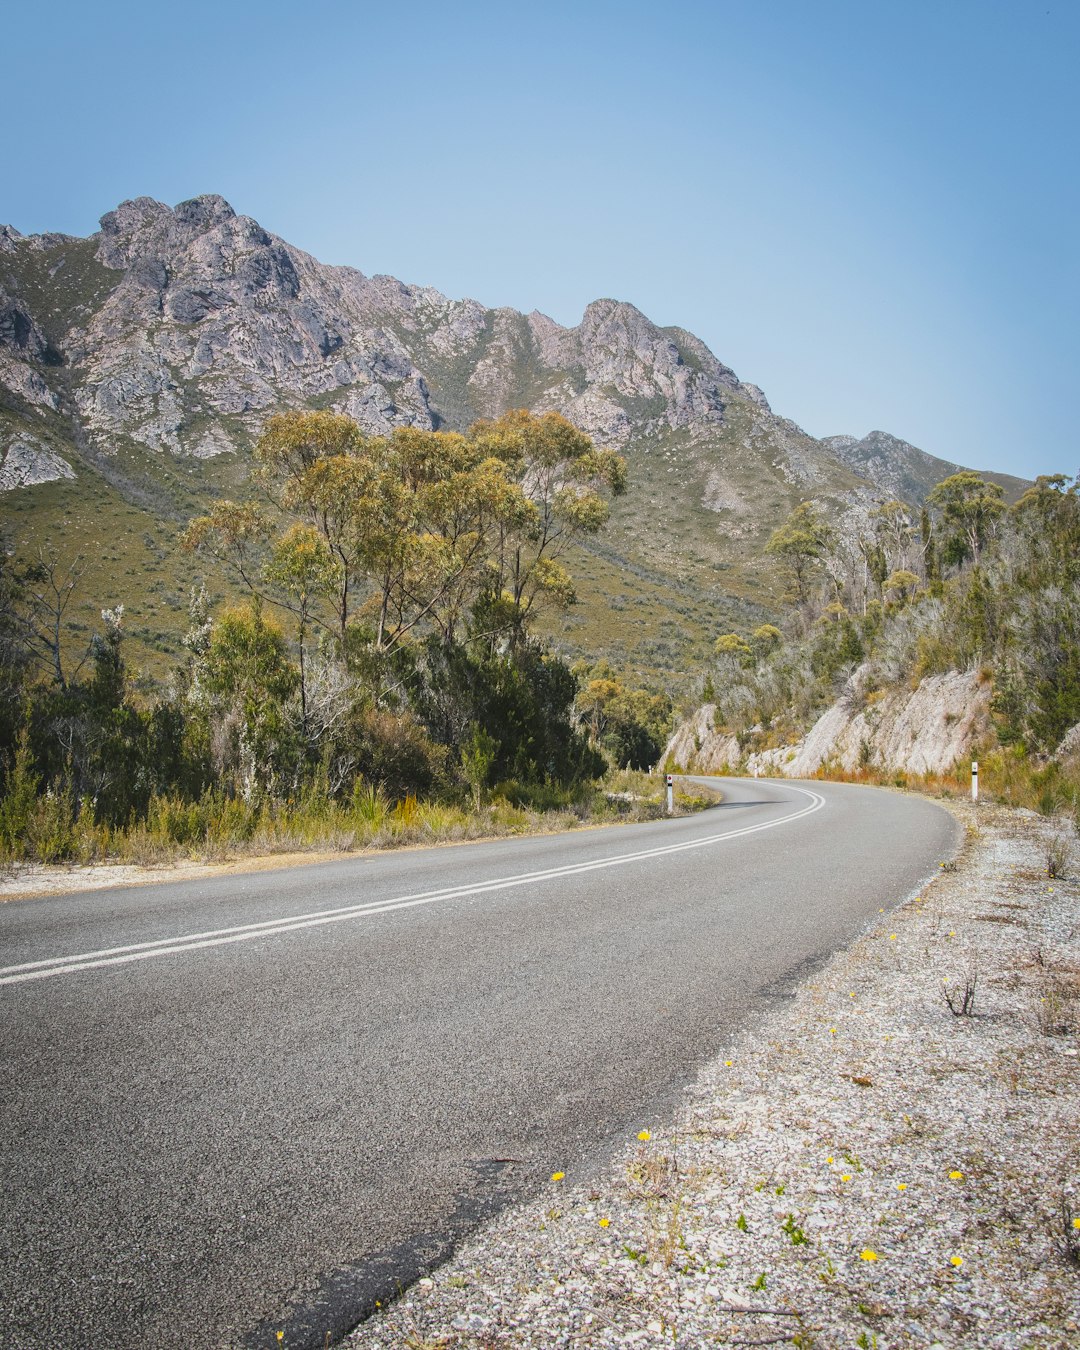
pixel 142 951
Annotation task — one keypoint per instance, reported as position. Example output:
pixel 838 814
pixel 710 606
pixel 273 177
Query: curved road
pixel 258 1103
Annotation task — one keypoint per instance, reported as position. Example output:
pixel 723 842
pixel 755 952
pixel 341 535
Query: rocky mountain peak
pixel 145 228
pixel 178 330
pixel 613 315
pixel 214 317
pixel 125 231
pixel 202 213
pixel 899 469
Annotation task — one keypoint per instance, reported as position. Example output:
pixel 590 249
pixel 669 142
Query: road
pixel 255 1104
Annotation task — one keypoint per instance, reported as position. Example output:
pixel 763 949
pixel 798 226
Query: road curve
pixel 252 1104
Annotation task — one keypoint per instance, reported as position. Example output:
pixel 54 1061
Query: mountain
pixel 137 367
pixel 901 470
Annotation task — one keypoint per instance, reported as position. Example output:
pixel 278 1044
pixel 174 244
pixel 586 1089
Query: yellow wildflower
pixel 868 1255
pixel 604 1223
pixel 846 1176
pixel 557 1176
pixel 644 1136
pixel 956 1176
pixel 956 1261
pixel 901 1185
pixel 1076 1223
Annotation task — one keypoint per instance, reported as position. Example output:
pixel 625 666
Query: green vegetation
pixel 376 679
pixel 631 725
pixel 965 584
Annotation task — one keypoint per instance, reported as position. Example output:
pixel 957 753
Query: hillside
pixel 137 367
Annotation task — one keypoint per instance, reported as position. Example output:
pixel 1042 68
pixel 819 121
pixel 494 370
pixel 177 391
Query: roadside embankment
pixel 888 1159
pixel 922 731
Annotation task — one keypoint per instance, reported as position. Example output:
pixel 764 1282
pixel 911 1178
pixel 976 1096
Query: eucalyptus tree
pixel 970 508
pixel 801 544
pixel 568 483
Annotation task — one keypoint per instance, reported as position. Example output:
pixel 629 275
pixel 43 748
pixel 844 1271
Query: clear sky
pixel 871 208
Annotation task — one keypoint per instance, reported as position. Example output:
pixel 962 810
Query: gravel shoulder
pixel 861 1168
pixel 26 881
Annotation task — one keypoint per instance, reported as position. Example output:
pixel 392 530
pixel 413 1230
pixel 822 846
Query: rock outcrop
pixel 27 462
pixel 926 730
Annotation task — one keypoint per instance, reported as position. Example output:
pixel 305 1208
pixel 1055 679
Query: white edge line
pixel 141 951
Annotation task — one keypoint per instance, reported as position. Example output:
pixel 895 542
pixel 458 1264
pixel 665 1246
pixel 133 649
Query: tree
pixel 894 530
pixel 419 529
pixel 478 754
pixel 765 639
pixel 523 699
pixel 422 557
pixel 15 659
pixel 800 544
pixel 46 589
pixel 594 700
pixel 900 586
pixel 1047 517
pixel 319 466
pixel 111 767
pixel 568 483
pixel 303 568
pixel 632 725
pixel 639 723
pixel 970 508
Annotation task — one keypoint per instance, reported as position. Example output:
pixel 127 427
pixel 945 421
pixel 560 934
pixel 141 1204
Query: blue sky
pixel 870 209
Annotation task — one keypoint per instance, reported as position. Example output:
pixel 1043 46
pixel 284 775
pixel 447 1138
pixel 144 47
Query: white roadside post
pixel 670 794
pixel 974 780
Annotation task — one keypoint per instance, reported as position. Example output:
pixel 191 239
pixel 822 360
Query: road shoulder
pixel 863 1166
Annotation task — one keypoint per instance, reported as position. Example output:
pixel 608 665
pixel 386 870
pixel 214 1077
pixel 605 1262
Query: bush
pixel 19 804
pixel 394 751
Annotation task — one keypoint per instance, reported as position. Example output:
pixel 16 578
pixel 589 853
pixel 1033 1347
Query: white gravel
pixel 862 1168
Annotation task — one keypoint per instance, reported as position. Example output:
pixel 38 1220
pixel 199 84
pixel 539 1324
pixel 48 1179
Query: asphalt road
pixel 257 1103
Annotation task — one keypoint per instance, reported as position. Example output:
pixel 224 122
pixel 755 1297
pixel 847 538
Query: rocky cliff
pixel 926 730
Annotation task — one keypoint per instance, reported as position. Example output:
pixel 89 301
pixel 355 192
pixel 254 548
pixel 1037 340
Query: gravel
pixel 861 1168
